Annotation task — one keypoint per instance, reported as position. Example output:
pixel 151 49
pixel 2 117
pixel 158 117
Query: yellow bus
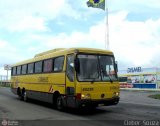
pixel 74 77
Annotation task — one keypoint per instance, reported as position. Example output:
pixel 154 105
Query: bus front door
pixel 70 82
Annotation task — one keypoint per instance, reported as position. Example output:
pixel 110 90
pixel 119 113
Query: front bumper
pixel 80 103
pixel 94 103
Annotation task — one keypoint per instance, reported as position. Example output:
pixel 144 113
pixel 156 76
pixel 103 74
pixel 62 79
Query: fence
pixel 4 81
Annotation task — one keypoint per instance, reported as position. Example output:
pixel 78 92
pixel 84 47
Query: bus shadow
pixel 80 111
pixel 87 112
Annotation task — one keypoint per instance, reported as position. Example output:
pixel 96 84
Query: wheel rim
pixel 25 96
pixel 59 103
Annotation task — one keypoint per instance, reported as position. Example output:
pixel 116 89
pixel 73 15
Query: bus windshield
pixel 96 68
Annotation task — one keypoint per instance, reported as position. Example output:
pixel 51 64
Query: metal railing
pixel 4 81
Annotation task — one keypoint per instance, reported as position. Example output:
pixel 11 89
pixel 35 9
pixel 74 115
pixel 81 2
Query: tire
pixel 59 103
pixel 24 95
pixel 19 93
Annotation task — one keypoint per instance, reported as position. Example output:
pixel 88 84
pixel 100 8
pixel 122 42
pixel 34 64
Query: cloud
pixel 134 41
pixel 29 15
pixel 133 5
pixel 9 53
pixel 94 38
pixel 28 23
pixel 3 44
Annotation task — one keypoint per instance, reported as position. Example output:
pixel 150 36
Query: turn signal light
pixel 78 96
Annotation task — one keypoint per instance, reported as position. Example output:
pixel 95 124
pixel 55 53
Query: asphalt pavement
pixel 134 105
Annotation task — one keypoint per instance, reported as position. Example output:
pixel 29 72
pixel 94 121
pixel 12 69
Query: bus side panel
pixel 40 86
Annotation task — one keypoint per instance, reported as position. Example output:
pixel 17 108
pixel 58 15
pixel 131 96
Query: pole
pixel 107 28
pixel 1 80
pixel 7 74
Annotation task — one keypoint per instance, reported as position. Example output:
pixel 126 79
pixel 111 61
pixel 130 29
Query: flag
pixel 96 4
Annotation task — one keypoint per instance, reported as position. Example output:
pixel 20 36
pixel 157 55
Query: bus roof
pixel 62 51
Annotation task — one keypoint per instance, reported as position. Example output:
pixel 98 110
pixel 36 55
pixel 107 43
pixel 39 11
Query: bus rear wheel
pixel 19 93
pixel 24 95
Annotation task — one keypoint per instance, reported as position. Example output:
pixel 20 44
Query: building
pixel 140 77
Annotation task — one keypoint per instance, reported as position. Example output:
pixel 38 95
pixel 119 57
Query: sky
pixel 29 27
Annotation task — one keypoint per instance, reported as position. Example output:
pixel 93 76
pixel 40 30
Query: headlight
pixel 116 94
pixel 85 96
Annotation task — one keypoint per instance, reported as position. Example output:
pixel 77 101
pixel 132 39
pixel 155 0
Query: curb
pixel 139 89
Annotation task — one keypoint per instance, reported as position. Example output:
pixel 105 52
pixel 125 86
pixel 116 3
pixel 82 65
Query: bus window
pixel 96 68
pixel 58 64
pixel 24 69
pixel 18 70
pixel 38 67
pixel 47 65
pixel 70 67
pixel 30 68
pixel 89 69
pixel 107 68
pixel 14 70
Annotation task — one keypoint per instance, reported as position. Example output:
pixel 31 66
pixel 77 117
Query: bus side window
pixel 14 71
pixel 58 64
pixel 47 67
pixel 18 70
pixel 30 68
pixel 24 69
pixel 38 67
pixel 70 67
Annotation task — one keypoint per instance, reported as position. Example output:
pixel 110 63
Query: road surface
pixel 134 106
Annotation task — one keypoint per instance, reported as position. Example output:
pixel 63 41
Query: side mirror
pixel 77 65
pixel 116 66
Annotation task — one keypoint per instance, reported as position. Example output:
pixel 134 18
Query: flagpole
pixel 106 28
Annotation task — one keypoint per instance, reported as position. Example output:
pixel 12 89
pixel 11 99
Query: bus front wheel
pixel 59 103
